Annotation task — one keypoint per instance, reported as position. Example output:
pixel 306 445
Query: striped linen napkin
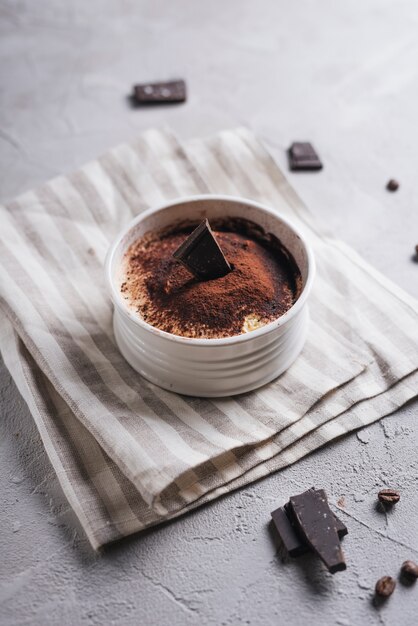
pixel 127 453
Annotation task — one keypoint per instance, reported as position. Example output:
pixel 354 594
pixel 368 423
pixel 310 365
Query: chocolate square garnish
pixel 202 255
pixel 302 156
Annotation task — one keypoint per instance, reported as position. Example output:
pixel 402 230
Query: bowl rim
pixel 200 341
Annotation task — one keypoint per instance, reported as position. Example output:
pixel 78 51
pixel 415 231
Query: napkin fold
pixel 127 453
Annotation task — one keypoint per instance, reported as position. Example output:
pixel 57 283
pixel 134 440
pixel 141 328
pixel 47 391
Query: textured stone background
pixel 343 75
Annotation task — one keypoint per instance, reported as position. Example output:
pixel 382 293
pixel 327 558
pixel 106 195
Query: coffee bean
pixel 385 586
pixel 392 185
pixel 388 496
pixel 410 570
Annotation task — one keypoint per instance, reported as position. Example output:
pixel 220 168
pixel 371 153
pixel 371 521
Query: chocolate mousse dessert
pixel 256 282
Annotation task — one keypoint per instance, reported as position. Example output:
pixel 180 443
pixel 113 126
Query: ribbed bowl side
pixel 210 367
pixel 221 370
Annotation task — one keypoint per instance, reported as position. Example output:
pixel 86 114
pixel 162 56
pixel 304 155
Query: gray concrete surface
pixel 343 75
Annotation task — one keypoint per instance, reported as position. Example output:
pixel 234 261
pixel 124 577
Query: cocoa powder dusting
pixel 264 283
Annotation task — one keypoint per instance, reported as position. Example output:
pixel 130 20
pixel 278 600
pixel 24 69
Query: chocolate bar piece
pixel 291 540
pixel 342 529
pixel 202 255
pixel 287 533
pixel 316 524
pixel 302 156
pixel 157 93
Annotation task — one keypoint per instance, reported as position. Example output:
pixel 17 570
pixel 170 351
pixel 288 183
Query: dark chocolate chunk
pixel 392 185
pixel 316 524
pixel 288 533
pixel 157 93
pixel 302 156
pixel 291 541
pixel 342 529
pixel 202 255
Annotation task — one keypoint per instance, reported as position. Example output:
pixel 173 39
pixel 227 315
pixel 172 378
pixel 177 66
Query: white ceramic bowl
pixel 210 367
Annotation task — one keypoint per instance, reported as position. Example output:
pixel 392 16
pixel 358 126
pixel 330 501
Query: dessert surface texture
pixel 263 284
